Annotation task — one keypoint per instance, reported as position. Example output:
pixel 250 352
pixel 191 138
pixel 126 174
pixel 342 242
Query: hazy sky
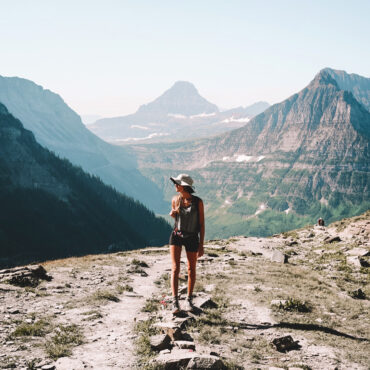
pixel 107 57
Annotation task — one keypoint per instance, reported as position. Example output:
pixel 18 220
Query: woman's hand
pixel 200 250
pixel 173 213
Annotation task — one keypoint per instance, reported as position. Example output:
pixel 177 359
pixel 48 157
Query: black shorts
pixel 191 242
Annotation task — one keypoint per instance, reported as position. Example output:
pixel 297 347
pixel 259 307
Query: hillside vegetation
pixel 52 209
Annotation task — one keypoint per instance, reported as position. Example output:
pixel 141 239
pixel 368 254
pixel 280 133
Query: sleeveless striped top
pixel 187 221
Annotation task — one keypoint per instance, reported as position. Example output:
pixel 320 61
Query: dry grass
pixel 332 317
pixel 64 338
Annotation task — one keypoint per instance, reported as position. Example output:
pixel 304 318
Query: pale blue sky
pixel 107 57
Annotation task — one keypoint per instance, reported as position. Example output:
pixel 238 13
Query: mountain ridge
pixel 179 113
pixel 57 127
pixel 308 155
pixel 52 209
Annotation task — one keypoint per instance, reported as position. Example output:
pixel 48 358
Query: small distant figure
pixel 321 222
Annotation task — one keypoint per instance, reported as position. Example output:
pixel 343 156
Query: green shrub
pixel 64 339
pixel 36 329
pixel 293 304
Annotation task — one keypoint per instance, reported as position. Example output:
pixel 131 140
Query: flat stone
pixel 359 252
pixel 171 329
pixel 279 257
pixel 160 342
pixel 204 302
pixel 48 367
pixel 332 239
pixel 354 260
pixel 175 360
pixel 69 363
pixel 205 362
pixel 183 322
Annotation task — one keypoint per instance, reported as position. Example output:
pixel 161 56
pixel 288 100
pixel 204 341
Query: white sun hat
pixel 183 179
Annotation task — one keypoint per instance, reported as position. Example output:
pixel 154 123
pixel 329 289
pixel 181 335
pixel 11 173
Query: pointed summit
pixel 323 78
pixel 182 98
pixel 358 85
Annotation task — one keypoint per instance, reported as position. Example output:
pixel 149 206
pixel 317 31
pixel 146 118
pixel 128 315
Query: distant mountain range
pixel 51 209
pixel 179 113
pixel 58 128
pixel 305 157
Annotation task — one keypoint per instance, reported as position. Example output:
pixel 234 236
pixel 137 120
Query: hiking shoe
pixel 189 305
pixel 175 305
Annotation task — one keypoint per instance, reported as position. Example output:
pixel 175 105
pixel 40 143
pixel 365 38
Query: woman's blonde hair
pixel 176 200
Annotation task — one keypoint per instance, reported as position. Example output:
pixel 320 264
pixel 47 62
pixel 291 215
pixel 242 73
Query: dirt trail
pixel 240 266
pixel 110 342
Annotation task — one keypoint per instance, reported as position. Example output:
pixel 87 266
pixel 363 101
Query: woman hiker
pixel 188 212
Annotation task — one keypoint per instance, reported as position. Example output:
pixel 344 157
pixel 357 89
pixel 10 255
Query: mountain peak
pixel 184 85
pixel 358 85
pixel 323 78
pixel 181 98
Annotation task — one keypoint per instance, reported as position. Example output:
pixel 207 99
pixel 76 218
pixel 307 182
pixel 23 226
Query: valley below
pixel 108 311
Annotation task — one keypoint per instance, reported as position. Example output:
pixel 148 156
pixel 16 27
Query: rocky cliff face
pixel 358 85
pixel 59 128
pixel 309 155
pixel 50 208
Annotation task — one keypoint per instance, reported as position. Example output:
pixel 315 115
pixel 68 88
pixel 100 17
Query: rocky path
pixel 239 273
pixel 110 341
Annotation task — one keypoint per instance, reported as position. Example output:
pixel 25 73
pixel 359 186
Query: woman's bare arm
pixel 173 212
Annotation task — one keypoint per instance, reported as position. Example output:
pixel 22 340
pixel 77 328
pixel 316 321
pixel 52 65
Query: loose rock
pixel 160 342
pixel 206 362
pixel 332 239
pixel 278 256
pixel 284 344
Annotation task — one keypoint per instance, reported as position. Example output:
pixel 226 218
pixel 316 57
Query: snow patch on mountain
pixel 202 115
pixel 154 134
pixel 140 127
pixel 242 158
pixel 175 115
pixel 232 119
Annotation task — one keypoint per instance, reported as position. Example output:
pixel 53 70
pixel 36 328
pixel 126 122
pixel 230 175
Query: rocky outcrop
pixel 24 276
pixel 358 85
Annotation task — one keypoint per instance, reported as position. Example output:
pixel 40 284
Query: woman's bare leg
pixel 175 260
pixel 192 263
